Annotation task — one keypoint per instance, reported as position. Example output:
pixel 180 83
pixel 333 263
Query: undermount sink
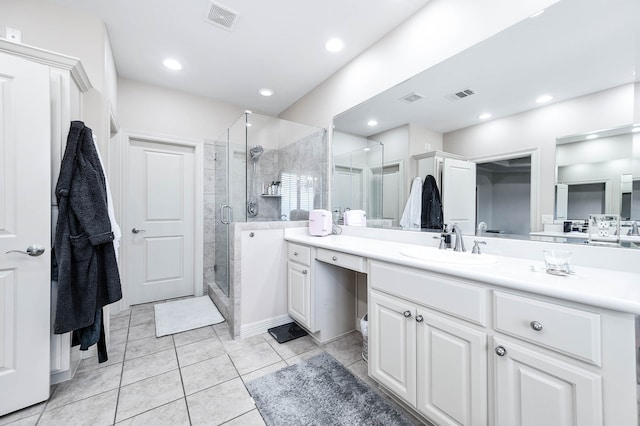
pixel 433 254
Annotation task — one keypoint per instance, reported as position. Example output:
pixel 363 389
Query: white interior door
pixel 459 194
pixel 160 218
pixel 25 220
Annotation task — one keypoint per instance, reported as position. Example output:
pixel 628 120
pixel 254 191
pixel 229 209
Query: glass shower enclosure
pixel 230 181
pixel 260 169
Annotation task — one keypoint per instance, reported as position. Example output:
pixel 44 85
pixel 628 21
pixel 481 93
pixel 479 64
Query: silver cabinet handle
pixel 535 325
pixel 419 318
pixel 407 314
pixel 334 258
pixel 137 231
pixel 501 351
pixel 33 250
pixel 304 272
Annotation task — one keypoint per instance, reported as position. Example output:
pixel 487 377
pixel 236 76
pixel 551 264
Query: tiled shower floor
pixel 191 378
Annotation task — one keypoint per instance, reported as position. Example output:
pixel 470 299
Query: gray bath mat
pixel 185 314
pixel 320 391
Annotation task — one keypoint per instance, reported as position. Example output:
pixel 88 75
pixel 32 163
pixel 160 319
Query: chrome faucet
pixel 459 241
pixel 482 226
pixel 634 229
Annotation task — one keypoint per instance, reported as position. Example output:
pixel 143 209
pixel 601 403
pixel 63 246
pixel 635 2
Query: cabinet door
pixel 532 389
pixel 392 351
pixel 451 370
pixel 299 295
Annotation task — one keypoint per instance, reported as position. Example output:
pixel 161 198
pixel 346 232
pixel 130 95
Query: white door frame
pixel 198 234
pixel 534 153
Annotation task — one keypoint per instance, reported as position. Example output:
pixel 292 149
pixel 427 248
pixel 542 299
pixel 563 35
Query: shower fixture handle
pixel 229 218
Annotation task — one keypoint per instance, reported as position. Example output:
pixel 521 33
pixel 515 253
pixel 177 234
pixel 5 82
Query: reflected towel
pixel 411 217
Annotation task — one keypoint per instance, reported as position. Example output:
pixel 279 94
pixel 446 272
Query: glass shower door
pixel 230 195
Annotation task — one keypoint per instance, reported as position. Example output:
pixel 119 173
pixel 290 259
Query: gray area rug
pixel 320 391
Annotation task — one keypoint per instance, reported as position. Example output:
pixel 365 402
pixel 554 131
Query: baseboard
pixel 259 327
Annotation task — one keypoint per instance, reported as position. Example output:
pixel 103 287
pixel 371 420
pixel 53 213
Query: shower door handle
pixel 229 217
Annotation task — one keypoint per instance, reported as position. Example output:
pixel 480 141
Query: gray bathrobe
pixel 87 271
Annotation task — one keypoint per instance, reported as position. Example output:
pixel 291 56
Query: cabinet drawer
pixel 349 261
pixel 571 331
pixel 449 295
pixel 300 254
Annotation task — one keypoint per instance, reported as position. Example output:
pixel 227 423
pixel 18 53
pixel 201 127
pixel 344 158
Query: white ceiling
pixel 574 48
pixel 275 44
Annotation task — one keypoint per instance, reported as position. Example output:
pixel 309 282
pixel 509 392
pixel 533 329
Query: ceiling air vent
pixel 411 97
pixel 221 16
pixel 460 95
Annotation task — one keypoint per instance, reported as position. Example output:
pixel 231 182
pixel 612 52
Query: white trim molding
pixel 535 218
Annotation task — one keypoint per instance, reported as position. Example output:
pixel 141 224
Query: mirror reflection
pixel 357 177
pixel 485 106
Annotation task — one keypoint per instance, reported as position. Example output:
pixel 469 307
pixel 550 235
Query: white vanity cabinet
pixel 462 352
pixel 561 364
pixel 321 290
pixel 532 388
pixel 299 286
pixel 433 361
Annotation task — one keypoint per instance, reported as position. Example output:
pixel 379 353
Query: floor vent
pixel 221 16
pixel 460 95
pixel 411 97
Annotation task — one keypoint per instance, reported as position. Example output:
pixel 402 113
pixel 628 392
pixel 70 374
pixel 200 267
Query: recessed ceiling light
pixel 372 123
pixel 265 92
pixel 636 129
pixel 594 136
pixel 172 64
pixel 544 98
pixel 334 45
pixel 367 149
pixel 484 116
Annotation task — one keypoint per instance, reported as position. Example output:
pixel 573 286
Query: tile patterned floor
pixel 191 378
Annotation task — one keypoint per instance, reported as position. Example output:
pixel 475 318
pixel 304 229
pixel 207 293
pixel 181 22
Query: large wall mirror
pixel 584 53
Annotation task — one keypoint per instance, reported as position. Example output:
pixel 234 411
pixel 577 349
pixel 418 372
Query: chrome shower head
pixel 256 152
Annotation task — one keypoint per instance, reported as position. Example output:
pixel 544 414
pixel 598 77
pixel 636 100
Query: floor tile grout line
pixel 126 343
pixel 184 391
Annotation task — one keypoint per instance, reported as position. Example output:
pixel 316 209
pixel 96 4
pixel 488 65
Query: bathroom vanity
pixel 486 340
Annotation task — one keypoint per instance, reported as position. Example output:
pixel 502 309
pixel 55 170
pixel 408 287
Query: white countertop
pixel 605 288
pixel 581 235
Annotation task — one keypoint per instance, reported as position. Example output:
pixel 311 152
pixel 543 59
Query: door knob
pixel 33 250
pixel 137 231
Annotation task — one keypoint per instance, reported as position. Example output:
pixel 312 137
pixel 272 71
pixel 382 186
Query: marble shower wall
pixel 308 157
pixel 267 171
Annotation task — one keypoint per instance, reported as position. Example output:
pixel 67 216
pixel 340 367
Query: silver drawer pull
pixel 334 258
pixel 419 318
pixel 501 351
pixel 304 272
pixel 295 253
pixel 535 325
pixel 407 314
